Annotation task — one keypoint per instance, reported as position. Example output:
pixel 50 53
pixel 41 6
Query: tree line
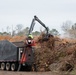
pixel 68 27
pixel 19 31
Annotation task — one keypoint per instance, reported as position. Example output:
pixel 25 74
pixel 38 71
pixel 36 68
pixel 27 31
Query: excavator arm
pixel 33 24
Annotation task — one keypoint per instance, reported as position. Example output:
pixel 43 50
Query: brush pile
pixel 44 53
pixel 13 39
pixel 55 54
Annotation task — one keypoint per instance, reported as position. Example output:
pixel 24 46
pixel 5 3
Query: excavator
pixel 28 52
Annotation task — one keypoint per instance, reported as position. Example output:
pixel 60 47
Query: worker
pixel 30 41
pixel 30 36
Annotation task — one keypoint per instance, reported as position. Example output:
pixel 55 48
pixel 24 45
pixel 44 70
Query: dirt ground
pixel 27 73
pixel 35 73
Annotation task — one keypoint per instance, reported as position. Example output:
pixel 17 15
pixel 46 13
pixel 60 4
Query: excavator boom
pixel 33 24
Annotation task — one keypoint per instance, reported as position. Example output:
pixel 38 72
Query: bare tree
pixel 19 27
pixel 69 29
pixel 7 28
pixel 72 31
pixel 66 26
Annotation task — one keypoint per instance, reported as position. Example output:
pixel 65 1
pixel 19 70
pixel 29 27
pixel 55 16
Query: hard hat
pixel 30 36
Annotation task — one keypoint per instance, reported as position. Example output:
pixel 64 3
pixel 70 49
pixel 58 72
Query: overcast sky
pixel 52 12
